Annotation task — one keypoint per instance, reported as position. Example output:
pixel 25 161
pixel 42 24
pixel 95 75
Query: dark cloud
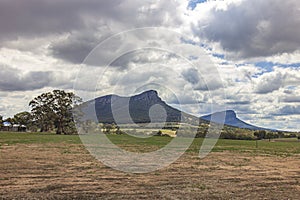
pixel 279 78
pixel 144 56
pixel 13 79
pixel 269 83
pixel 291 99
pixel 254 28
pixel 207 83
pixel 33 18
pixel 289 110
pixel 76 47
pixel 238 102
pixel 82 20
pixel 191 75
pixel 288 91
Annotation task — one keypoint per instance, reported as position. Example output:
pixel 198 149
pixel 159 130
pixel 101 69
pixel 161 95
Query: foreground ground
pixel 58 167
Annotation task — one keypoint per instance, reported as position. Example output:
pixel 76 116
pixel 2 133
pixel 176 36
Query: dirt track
pixel 37 171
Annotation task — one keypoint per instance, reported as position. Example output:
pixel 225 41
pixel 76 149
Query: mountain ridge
pixel 229 117
pixel 135 109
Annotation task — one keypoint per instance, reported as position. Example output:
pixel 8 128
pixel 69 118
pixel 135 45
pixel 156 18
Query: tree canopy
pixel 23 118
pixel 54 109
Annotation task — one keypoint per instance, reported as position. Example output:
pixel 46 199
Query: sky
pixel 231 54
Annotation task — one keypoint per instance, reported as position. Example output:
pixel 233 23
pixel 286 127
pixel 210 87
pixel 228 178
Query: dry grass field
pixel 35 166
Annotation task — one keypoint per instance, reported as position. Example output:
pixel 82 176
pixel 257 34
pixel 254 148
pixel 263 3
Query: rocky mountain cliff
pixel 142 108
pixel 149 107
pixel 230 118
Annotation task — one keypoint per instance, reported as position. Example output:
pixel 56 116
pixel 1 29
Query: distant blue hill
pixel 230 120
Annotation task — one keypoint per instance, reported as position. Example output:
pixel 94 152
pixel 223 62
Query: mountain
pixel 230 118
pixel 136 109
pixel 149 107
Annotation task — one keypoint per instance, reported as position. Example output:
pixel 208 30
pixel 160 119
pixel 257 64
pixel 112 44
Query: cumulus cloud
pixel 191 75
pixel 269 82
pixel 145 56
pixel 256 28
pixel 13 79
pixel 78 44
pixel 279 78
pixel 291 99
pixel 289 110
pixel 202 82
pixel 83 22
pixel 42 43
pixel 238 102
pixel 34 18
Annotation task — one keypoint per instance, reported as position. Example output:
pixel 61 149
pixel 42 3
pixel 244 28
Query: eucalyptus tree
pixel 54 110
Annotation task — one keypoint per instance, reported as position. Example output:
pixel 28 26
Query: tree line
pixel 51 111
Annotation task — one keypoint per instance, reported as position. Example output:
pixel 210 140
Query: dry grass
pixel 66 171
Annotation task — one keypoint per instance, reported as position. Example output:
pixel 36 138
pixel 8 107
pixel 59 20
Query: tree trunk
pixel 58 131
pixel 60 128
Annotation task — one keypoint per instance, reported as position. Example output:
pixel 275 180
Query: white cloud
pixel 279 78
pixel 43 45
pixel 247 29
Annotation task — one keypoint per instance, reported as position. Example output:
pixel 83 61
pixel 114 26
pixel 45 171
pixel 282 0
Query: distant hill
pixel 230 119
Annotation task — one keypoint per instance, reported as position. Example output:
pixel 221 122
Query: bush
pixel 120 132
pixel 159 133
pixel 237 136
pixel 260 134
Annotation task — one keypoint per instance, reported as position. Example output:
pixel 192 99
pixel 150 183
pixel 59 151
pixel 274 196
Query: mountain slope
pixel 142 108
pixel 149 107
pixel 230 119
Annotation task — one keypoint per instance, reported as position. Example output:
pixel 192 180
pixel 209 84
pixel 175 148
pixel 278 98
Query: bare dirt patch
pixel 65 171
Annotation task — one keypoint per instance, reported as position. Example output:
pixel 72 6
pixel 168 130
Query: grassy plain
pixel 48 166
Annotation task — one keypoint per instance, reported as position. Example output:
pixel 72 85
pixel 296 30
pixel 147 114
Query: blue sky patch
pixel 219 55
pixel 291 87
pixel 193 3
pixel 293 65
pixel 268 66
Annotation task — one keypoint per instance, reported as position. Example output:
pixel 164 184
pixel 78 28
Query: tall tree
pixel 62 106
pixel 54 109
pixel 23 118
pixel 42 112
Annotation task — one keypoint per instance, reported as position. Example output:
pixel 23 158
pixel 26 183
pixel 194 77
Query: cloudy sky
pixel 232 54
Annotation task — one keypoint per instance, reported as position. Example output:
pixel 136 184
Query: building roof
pixel 6 124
